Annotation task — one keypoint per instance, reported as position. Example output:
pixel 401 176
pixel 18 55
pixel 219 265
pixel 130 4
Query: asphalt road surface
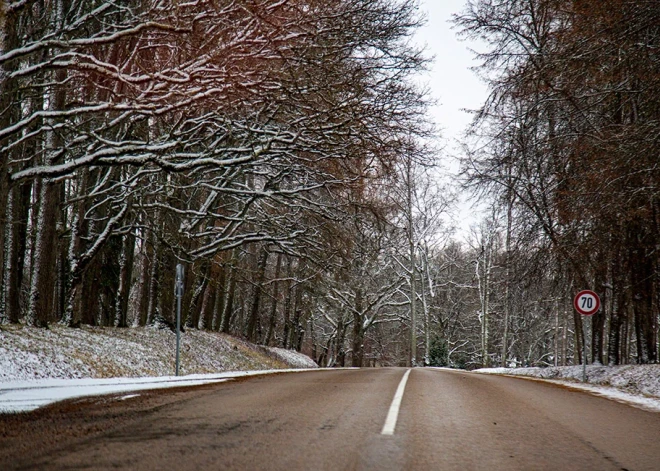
pixel 335 420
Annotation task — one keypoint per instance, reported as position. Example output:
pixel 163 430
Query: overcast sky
pixel 453 85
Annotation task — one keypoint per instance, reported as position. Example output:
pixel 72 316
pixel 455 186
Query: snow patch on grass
pixel 101 352
pixel 293 358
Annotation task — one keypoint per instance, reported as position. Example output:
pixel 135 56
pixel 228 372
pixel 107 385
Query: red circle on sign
pixel 586 302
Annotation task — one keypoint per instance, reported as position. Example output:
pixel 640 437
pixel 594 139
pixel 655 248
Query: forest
pixel 282 152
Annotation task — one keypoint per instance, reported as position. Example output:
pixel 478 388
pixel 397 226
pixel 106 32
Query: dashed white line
pixel 393 414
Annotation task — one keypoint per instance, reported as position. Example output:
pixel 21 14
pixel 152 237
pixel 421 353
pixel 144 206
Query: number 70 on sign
pixel 586 302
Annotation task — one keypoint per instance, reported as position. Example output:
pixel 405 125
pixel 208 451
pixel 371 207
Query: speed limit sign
pixel 586 302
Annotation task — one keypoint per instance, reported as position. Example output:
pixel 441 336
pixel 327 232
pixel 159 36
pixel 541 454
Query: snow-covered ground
pixel 24 396
pixel 39 366
pixel 94 352
pixel 637 385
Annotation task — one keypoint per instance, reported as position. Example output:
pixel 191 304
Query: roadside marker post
pixel 587 303
pixel 178 291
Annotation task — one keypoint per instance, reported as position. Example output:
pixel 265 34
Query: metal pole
pixel 179 295
pixel 584 359
pixel 584 351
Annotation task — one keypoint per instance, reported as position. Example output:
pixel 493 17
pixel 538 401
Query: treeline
pixel 568 147
pixel 280 151
pixel 235 137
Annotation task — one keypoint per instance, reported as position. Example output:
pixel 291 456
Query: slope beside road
pixel 29 353
pixel 329 419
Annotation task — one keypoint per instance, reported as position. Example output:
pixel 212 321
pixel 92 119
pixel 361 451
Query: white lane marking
pixel 128 396
pixel 393 414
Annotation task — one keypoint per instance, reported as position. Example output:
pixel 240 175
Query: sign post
pixel 587 303
pixel 178 291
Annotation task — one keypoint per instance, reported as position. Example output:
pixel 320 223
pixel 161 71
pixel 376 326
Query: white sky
pixel 453 85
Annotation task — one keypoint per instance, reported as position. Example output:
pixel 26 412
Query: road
pixel 334 419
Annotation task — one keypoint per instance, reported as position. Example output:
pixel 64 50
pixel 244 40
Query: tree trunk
pixel 42 289
pixel 413 288
pixel 312 333
pixel 341 336
pixel 228 309
pixel 483 278
pixel 79 232
pixel 358 330
pixel 564 337
pixel 17 244
pixel 507 274
pixel 165 300
pixel 62 262
pixel 200 286
pixel 288 302
pixel 208 301
pixel 642 280
pixel 125 279
pixel 556 336
pixel 425 309
pixel 256 297
pixel 579 338
pixel 295 320
pixel 141 295
pixel 88 302
pixel 598 319
pixel 614 352
pixel 8 93
pixel 42 299
pixel 153 284
pixel 273 307
pixel 220 294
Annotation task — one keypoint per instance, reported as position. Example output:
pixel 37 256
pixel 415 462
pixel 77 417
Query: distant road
pixel 333 420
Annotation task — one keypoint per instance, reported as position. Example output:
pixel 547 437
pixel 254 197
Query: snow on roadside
pixel 24 396
pixel 94 352
pixel 41 366
pixel 293 358
pixel 638 385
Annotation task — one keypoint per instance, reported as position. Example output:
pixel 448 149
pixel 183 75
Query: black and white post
pixel 178 291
